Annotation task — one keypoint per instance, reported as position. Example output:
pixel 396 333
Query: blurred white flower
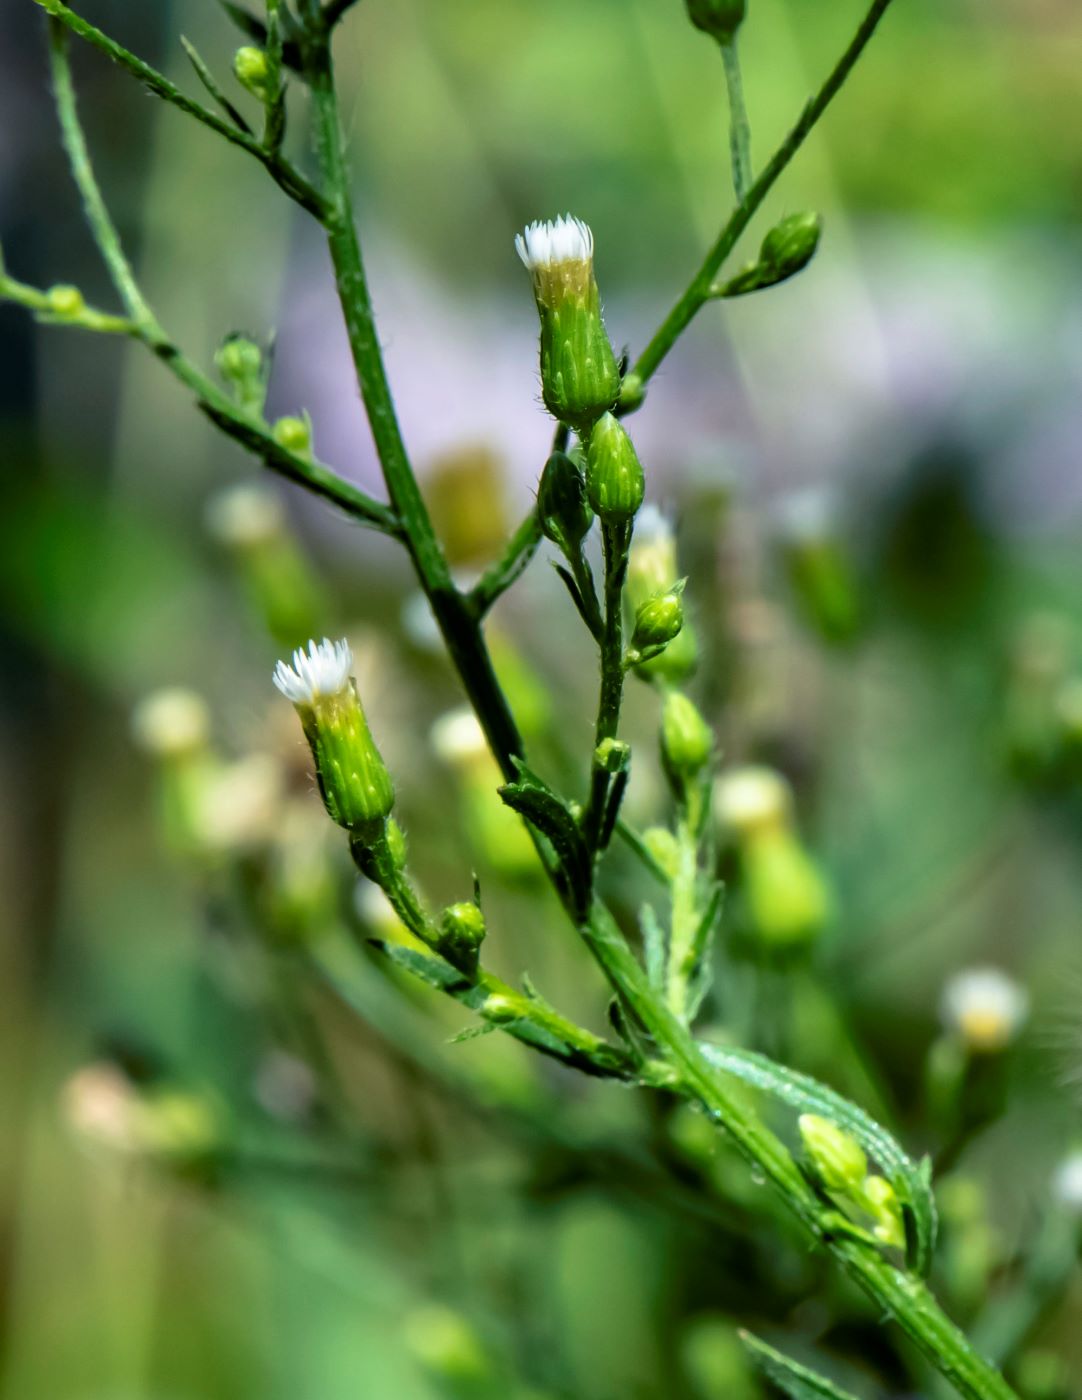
pixel 985 1007
pixel 170 722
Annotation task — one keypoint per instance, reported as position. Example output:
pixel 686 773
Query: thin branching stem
pixel 244 427
pixel 281 171
pixel 504 571
pixel 698 291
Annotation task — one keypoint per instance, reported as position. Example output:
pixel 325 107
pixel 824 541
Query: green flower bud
pixel 657 621
pixel 837 1158
pixel 579 375
pixel 614 477
pixel 718 18
pixel 353 780
pixel 501 1010
pixel 787 897
pixel 294 434
pixel 676 662
pixel 687 741
pixel 240 363
pixel 65 301
pixel 880 1200
pixel 562 506
pixel 790 245
pixel 612 756
pixel 250 70
pixel 820 569
pixel 462 931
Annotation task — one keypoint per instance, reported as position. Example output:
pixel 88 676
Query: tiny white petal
pixel 323 670
pixel 548 242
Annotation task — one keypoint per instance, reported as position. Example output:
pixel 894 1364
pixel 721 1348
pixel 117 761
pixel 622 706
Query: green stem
pixel 281 171
pixel 901 1295
pixel 616 540
pixel 452 611
pixel 685 920
pixel 739 126
pixel 500 575
pixel 698 291
pixel 248 430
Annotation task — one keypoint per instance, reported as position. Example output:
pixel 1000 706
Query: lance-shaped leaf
pixel 794 1380
pixel 911 1180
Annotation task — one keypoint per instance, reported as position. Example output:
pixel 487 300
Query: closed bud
pixel 663 848
pixel 790 245
pixel 687 741
pixel 837 1159
pixel 65 301
pixel 612 756
pixel 462 931
pixel 353 780
pixel 250 70
pixel 718 18
pixel 562 507
pixel 579 375
pixel 787 897
pixel 294 434
pixel 614 478
pixel 880 1200
pixel 657 621
pixel 240 363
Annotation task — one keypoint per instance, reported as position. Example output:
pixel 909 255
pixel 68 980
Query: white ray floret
pixel 549 242
pixel 323 670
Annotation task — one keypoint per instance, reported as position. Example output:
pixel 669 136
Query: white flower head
pixel 171 722
pixel 985 1007
pixel 318 673
pixel 548 243
pixel 747 799
pixel 244 516
pixel 1067 1183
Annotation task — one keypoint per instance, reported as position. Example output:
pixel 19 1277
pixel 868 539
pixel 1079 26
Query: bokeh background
pixel 400 1216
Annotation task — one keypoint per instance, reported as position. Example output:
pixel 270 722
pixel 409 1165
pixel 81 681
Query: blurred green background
pixel 411 1218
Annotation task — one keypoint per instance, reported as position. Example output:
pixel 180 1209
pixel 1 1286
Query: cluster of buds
pixel 353 779
pixel 244 367
pixel 784 891
pixel 840 1166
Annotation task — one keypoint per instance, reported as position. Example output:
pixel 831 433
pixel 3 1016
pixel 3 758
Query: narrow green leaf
pixel 796 1381
pixel 911 1180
